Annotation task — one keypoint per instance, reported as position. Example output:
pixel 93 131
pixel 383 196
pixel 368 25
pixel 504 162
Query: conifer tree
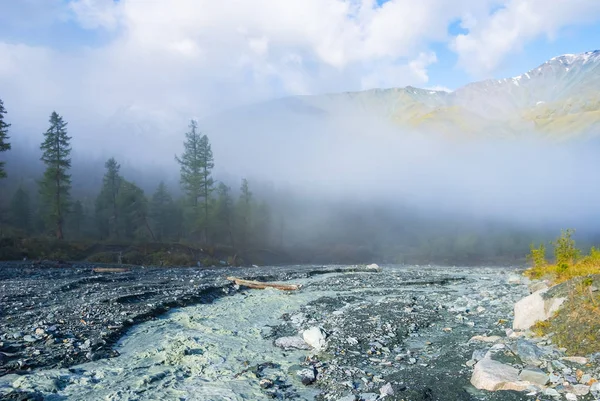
pixel 107 211
pixel 244 210
pixel 55 185
pixel 196 164
pixel 4 144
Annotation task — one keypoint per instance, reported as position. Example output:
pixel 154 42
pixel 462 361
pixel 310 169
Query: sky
pixel 103 63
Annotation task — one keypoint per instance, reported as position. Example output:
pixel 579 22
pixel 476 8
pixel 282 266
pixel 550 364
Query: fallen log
pixel 261 285
pixel 109 270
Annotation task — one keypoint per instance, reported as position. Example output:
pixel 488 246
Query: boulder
pixel 291 343
pixel 529 352
pixel 493 376
pixel 534 308
pixel 307 376
pixel 534 376
pixel 315 337
pixel 374 266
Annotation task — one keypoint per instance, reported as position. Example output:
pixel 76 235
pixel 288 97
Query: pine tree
pixel 133 206
pixel 4 144
pixel 107 211
pixel 20 210
pixel 55 185
pixel 224 215
pixel 207 181
pixel 244 210
pixel 196 164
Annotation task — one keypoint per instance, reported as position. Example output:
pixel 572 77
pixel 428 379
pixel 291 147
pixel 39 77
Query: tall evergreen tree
pixel 20 210
pixel 196 164
pixel 4 144
pixel 244 210
pixel 107 210
pixel 55 185
pixel 207 181
pixel 133 206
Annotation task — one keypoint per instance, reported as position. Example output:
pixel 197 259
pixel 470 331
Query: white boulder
pixel 494 376
pixel 315 337
pixel 534 308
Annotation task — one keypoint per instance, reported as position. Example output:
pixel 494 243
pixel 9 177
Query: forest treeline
pixel 207 213
pixel 231 222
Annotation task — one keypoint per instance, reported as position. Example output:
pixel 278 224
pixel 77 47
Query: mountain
pixel 559 99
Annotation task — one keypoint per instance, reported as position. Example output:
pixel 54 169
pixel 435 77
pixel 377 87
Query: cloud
pixel 163 61
pixel 492 38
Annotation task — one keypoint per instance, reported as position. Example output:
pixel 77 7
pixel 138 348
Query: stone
pixel 386 390
pixel 30 339
pixel 485 339
pixel 368 397
pixel 265 383
pixel 374 266
pixel 291 343
pixel 315 338
pixel 534 308
pixel 534 375
pixel 347 398
pixel 529 352
pixel 581 389
pixel 571 397
pixel 586 379
pixel 595 390
pixel 552 392
pixel 537 286
pixel 514 279
pixel 493 376
pixel 307 376
pixel 575 359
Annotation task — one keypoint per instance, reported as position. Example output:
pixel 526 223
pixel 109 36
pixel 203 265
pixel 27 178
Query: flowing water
pixel 405 326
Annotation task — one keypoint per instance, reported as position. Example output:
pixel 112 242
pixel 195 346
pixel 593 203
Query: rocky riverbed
pixel 405 333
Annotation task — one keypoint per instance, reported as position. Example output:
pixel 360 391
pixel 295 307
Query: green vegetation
pixel 4 144
pixel 55 185
pixel 576 325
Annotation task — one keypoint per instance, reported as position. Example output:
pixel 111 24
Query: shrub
pixel 565 251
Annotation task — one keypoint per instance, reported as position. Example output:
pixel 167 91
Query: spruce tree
pixel 107 210
pixel 244 210
pixel 55 185
pixel 4 144
pixel 207 181
pixel 196 164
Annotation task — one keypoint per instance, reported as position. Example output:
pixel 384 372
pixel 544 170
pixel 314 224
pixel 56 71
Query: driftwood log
pixel 109 270
pixel 261 285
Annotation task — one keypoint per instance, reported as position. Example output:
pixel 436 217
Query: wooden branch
pixel 109 270
pixel 261 286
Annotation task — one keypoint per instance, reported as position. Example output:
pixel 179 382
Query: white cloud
pixel 166 60
pixel 494 37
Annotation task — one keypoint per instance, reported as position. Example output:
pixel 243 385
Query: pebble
pixel 29 338
pixel 552 392
pixel 307 376
pixel 386 390
pixel 571 397
pixel 595 390
pixel 581 389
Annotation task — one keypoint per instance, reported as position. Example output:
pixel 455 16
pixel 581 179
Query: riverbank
pixel 404 330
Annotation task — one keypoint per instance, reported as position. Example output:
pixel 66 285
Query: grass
pixel 576 325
